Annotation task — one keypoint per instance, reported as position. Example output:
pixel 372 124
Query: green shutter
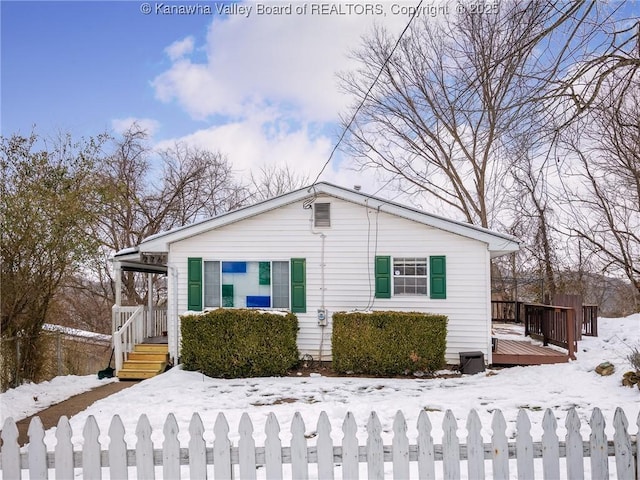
pixel 438 276
pixel 383 277
pixel 194 284
pixel 298 285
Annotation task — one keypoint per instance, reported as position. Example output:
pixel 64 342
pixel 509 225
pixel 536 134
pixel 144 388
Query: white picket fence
pixel 424 459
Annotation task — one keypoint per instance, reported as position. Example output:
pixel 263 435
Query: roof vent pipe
pixel 357 188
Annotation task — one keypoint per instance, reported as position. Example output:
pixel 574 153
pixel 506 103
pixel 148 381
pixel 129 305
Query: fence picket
pixel 91 450
pixel 273 455
pixel 171 449
pixel 247 448
pixel 573 441
pixel 197 448
pixel 375 448
pixel 299 454
pixel 500 446
pixel 550 447
pixel 325 448
pixel 475 447
pixel 63 452
pixel 622 446
pixel 598 449
pixel 524 446
pixel 37 450
pixel 450 447
pixel 117 450
pixel 426 456
pixel 350 461
pixel 144 449
pixel 222 466
pixel 272 448
pixel 10 453
pixel 400 447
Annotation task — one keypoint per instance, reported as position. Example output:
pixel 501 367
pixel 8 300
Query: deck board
pixel 517 352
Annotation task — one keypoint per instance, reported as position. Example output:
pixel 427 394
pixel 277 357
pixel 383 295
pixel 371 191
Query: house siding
pixel 357 234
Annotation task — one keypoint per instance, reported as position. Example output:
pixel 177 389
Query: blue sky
pixel 77 66
pixel 261 89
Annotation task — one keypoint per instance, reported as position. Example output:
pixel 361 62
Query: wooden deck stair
pixel 147 360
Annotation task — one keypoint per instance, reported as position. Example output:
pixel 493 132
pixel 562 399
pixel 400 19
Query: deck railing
pixel 590 320
pixel 507 311
pixel 552 325
pixel 132 325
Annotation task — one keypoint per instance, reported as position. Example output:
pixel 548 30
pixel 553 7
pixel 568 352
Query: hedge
pixel 239 343
pixel 388 343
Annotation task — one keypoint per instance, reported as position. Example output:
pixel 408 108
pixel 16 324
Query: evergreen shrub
pixel 388 342
pixel 239 343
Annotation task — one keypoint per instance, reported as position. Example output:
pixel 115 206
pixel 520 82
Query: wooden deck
pixel 522 352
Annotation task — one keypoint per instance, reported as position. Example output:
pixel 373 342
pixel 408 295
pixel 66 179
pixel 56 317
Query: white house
pixel 319 250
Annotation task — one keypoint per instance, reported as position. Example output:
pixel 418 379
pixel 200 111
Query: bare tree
pixel 449 101
pixel 271 181
pixel 143 193
pixel 605 144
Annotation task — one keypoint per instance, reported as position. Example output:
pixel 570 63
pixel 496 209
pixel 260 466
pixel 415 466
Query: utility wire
pixel 364 99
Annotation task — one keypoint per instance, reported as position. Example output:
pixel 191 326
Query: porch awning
pixel 132 260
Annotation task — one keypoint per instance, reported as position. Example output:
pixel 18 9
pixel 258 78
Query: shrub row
pixel 239 343
pixel 388 343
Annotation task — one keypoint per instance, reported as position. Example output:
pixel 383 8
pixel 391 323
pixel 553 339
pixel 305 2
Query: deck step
pixel 151 348
pixel 146 361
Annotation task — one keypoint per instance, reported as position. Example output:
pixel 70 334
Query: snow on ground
pixel 535 388
pixel 30 398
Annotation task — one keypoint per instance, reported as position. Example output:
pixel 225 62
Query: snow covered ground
pixel 536 388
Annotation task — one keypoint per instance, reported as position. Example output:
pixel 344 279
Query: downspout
pixel 322 286
pixel 176 329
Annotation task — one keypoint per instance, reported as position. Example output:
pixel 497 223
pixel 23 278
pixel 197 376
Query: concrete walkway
pixel 69 407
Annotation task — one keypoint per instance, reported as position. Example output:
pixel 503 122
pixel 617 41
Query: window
pixel 321 215
pixel 266 284
pixel 410 276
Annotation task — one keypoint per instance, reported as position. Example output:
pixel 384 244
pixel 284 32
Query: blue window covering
pixel 258 301
pixel 234 267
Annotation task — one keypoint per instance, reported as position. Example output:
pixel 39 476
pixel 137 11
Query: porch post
pixel 117 273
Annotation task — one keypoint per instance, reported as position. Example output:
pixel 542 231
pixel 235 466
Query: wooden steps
pixel 147 360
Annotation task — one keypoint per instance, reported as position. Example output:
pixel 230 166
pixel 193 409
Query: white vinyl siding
pixel 357 235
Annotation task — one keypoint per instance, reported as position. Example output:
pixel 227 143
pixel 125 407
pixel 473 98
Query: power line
pixel 355 113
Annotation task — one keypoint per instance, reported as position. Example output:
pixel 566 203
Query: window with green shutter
pixel 298 285
pixel 438 276
pixel 383 277
pixel 194 283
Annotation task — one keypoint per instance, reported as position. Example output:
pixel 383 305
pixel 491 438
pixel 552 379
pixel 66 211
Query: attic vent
pixel 321 215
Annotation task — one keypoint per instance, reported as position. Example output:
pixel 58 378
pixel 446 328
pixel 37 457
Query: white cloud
pixel 269 83
pixel 121 125
pixel 288 60
pixel 180 48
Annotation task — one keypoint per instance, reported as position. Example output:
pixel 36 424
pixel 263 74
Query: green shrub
pixel 388 343
pixel 239 343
